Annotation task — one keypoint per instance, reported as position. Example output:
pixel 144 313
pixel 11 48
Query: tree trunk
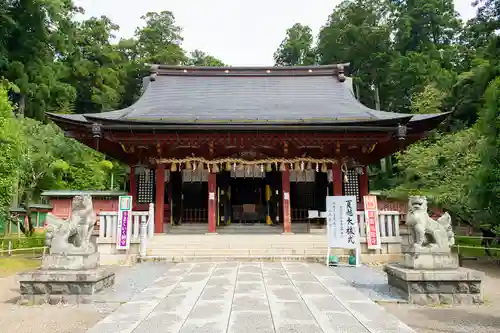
pixel 377 97
pixel 385 162
pixel 22 105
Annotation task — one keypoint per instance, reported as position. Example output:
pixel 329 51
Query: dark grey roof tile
pixel 277 99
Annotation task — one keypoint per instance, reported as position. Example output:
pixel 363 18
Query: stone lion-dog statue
pixel 427 231
pixel 72 236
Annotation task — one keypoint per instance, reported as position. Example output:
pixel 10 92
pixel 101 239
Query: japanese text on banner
pixel 124 226
pixel 342 224
pixel 371 220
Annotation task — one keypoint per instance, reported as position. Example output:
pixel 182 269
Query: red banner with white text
pixel 371 222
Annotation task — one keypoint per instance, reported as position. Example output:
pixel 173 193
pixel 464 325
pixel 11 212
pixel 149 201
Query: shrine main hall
pixel 219 146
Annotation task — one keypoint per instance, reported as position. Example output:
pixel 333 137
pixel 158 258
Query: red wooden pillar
pixel 287 218
pixel 133 186
pixel 159 198
pixel 363 183
pixel 212 203
pixel 338 188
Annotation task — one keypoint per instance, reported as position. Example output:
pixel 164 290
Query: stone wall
pixel 110 255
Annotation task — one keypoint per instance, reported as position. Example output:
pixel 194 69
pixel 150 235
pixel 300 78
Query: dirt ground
pixel 39 319
pixel 45 318
pixel 478 319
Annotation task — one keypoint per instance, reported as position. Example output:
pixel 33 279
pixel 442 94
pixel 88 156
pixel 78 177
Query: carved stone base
pixel 63 286
pixel 70 261
pixel 425 287
pixel 430 260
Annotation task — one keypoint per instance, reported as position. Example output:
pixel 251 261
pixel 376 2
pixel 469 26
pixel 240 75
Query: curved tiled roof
pixel 248 95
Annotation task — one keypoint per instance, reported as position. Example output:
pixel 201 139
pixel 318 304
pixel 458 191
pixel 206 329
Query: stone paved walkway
pixel 372 282
pixel 250 297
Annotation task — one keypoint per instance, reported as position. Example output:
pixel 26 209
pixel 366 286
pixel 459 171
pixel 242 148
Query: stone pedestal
pixel 440 286
pixel 65 279
pixel 429 259
pixel 71 261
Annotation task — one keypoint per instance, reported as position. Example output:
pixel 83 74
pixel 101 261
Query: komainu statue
pixel 72 236
pixel 428 232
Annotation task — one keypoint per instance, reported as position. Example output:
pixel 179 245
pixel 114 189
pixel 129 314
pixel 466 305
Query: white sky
pixel 239 32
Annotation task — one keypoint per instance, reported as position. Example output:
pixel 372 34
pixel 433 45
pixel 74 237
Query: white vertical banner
pixel 124 224
pixel 342 224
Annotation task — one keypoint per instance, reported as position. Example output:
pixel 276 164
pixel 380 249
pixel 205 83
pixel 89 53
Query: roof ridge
pixel 156 67
pixel 260 71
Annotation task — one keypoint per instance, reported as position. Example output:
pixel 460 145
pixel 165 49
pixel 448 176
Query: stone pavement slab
pixel 249 297
pixel 372 282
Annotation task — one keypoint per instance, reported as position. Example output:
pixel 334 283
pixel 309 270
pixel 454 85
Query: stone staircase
pixel 242 247
pixel 235 228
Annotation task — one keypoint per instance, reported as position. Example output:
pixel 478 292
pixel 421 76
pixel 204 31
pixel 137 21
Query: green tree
pixel 200 58
pixel 486 192
pixel 424 25
pixel 297 47
pixel 33 33
pixel 95 68
pixel 134 70
pixel 159 41
pixel 441 168
pixel 484 25
pixel 357 32
pixel 430 100
pixel 10 150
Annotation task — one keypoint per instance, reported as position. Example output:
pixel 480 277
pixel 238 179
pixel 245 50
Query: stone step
pixel 206 236
pixel 222 245
pixel 235 228
pixel 247 258
pixel 237 245
pixel 235 252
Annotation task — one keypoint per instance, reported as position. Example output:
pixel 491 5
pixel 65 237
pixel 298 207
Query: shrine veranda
pixel 254 146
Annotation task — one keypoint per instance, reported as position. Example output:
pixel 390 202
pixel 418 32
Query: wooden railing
pixel 195 215
pixel 300 215
pixel 108 229
pixel 388 222
pixel 108 225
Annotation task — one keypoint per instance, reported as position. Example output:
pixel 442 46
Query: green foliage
pixel 94 67
pixel 442 168
pixel 297 47
pixel 423 25
pixel 159 40
pixel 32 36
pixel 9 151
pixel 357 32
pixel 200 58
pixel 418 57
pixel 55 63
pixel 429 100
pixel 405 56
pixel 486 192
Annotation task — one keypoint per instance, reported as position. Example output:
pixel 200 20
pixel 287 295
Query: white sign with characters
pixel 342 224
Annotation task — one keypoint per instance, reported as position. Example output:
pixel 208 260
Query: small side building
pixel 60 201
